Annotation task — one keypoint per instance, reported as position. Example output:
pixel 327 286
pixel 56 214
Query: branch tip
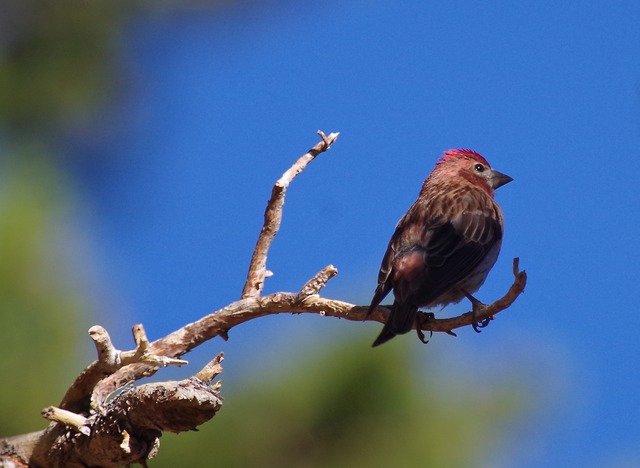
pixel 140 336
pixel 211 370
pixel 162 361
pixel 486 312
pixel 319 281
pixel 328 140
pixel 107 353
pixel 516 266
pixel 254 284
pixel 67 418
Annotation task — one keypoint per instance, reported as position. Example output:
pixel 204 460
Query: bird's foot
pixel 421 319
pixel 478 308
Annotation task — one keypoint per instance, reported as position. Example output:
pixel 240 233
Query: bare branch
pixel 220 322
pixel 273 216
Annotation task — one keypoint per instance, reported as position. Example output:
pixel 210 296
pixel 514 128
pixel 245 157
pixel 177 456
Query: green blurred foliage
pixel 351 406
pixel 59 58
pixel 58 63
pixel 54 65
pixel 39 311
pixel 55 61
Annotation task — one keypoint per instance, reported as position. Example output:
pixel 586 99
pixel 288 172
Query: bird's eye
pixel 479 167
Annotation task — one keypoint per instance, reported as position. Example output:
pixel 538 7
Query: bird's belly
pixel 471 283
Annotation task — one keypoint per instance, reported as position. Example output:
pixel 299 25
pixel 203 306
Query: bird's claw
pixel 421 319
pixel 482 324
pixel 422 337
pixel 477 308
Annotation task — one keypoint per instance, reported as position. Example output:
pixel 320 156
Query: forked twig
pixel 273 216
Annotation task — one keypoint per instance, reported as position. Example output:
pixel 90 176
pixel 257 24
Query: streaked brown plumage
pixel 445 245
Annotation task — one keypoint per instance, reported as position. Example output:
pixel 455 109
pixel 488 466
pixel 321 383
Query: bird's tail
pixel 400 321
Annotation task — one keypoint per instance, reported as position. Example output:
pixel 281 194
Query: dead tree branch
pixel 273 217
pixel 124 430
pixel 94 425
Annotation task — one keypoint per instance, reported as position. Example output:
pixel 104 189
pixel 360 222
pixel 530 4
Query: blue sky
pixel 217 106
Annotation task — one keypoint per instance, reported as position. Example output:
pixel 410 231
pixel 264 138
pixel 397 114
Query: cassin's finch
pixel 445 245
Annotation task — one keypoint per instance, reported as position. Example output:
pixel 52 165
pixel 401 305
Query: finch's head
pixel 472 167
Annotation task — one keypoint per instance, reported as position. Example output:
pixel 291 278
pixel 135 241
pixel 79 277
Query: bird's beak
pixel 499 179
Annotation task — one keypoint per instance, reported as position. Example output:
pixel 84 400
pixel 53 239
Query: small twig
pixel 108 355
pixel 142 345
pixel 142 354
pixel 211 370
pixel 67 418
pixel 319 281
pixel 273 216
pixel 140 337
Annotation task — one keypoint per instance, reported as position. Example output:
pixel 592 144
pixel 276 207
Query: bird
pixel 444 246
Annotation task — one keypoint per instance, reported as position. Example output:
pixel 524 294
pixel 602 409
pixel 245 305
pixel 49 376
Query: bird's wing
pixel 384 281
pixel 427 256
pixel 404 235
pixel 454 249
